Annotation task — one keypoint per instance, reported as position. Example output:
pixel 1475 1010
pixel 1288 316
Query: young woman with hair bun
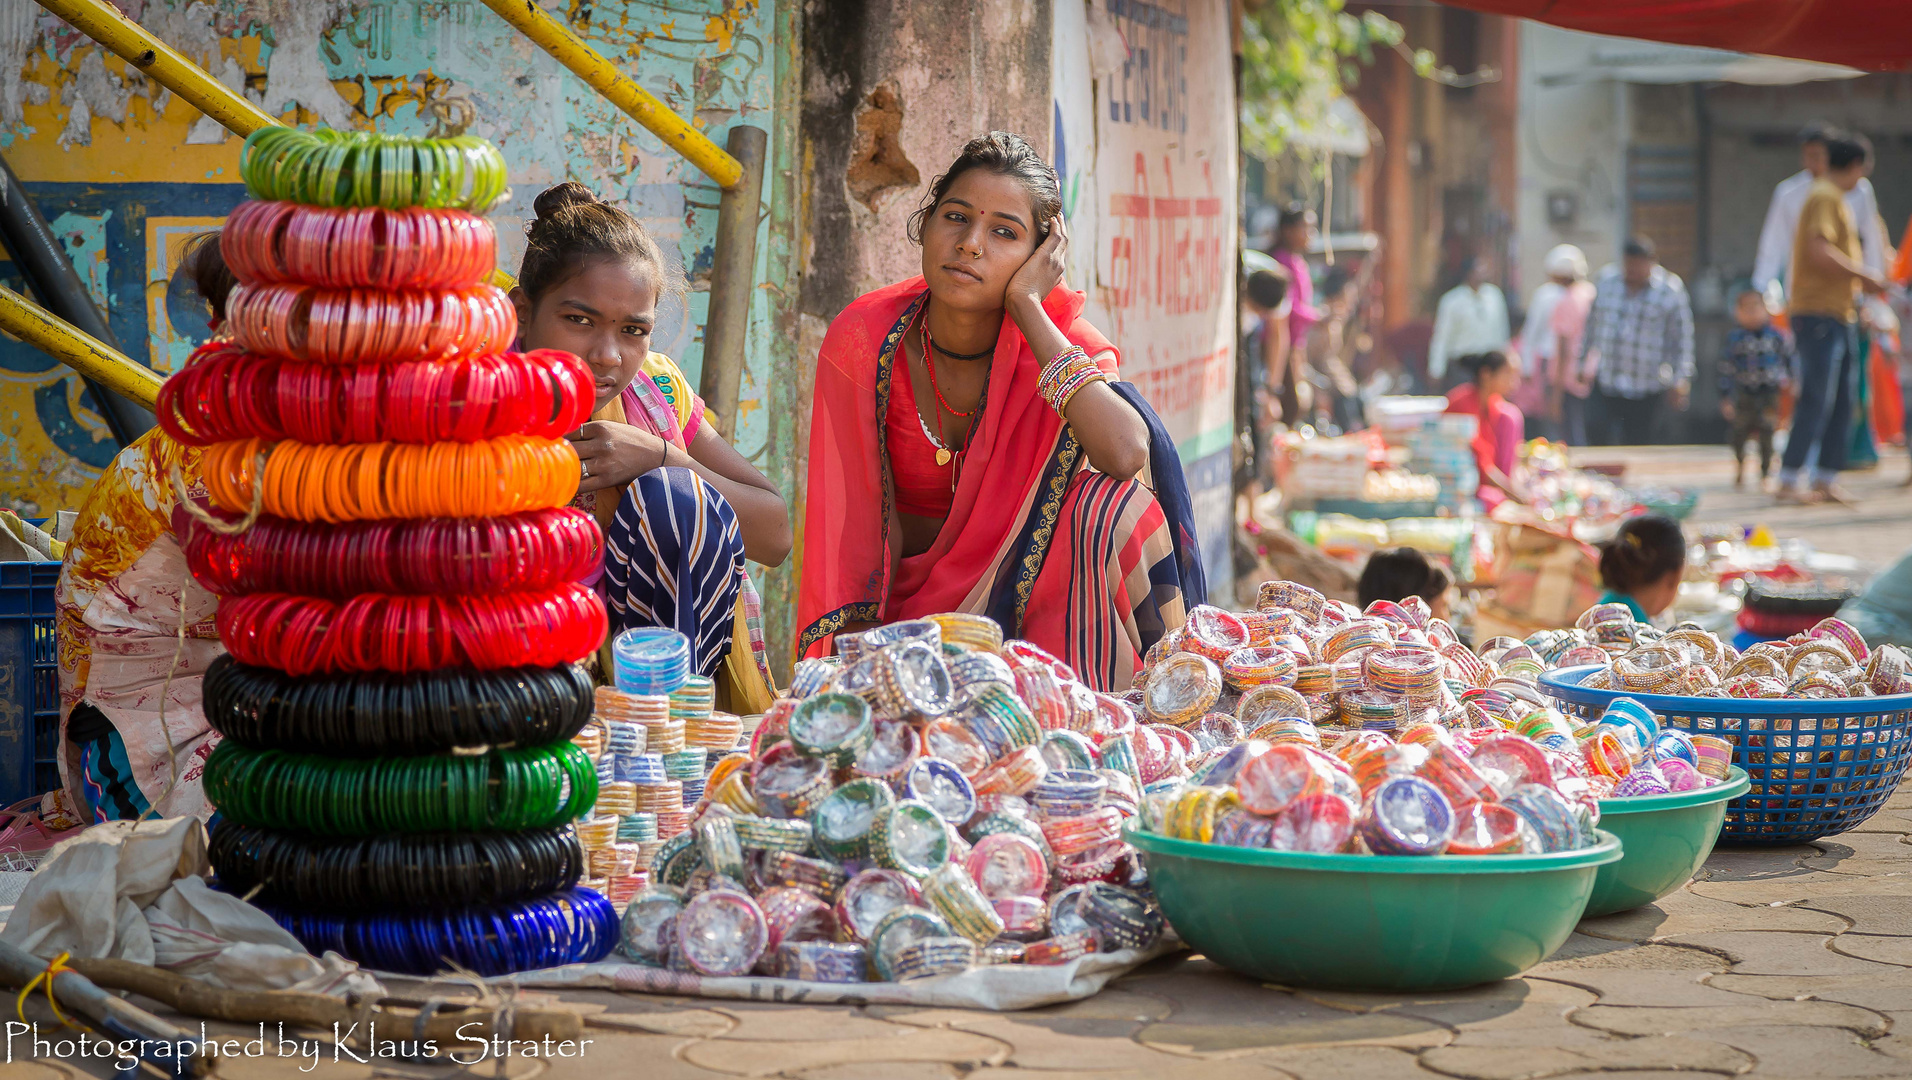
pixel 681 509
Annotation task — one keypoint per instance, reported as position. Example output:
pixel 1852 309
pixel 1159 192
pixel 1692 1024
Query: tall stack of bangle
pixel 1065 375
pixel 405 754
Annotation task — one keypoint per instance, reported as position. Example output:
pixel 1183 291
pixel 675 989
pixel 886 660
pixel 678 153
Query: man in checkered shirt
pixel 1638 351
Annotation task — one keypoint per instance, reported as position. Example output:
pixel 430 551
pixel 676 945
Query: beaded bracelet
pixel 503 789
pixel 540 549
pixel 377 715
pixel 366 326
pixel 953 894
pixel 1121 917
pixel 363 168
pixel 575 926
pixel 489 478
pixel 370 247
pixel 1065 375
pixel 301 635
pixel 816 876
pixel 226 393
pixel 361 873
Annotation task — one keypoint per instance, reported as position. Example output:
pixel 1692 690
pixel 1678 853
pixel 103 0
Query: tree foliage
pixel 1297 55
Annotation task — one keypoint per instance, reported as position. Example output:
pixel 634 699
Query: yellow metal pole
pixel 103 23
pixel 83 353
pixel 585 62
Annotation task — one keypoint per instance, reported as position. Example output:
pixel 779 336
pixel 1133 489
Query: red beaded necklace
pixel 943 452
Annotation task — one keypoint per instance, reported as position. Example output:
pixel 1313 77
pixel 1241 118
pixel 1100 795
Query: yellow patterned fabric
pixel 122 589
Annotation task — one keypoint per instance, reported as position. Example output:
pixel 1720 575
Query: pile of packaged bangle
pixel 931 799
pixel 397 778
pixel 1323 728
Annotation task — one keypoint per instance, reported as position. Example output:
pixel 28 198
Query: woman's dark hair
pixel 1004 153
pixel 1292 214
pixel 1646 549
pixel 1268 288
pixel 574 225
pixel 1400 573
pixel 206 268
pixel 1482 363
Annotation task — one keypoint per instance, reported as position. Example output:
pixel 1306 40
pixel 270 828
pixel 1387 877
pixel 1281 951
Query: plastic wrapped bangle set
pixel 397 779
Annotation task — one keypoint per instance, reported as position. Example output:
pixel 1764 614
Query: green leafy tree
pixel 1297 55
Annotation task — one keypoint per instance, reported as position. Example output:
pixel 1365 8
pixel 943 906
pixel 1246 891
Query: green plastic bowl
pixel 1371 922
pixel 1665 837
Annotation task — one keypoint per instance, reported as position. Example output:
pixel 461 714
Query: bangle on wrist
pixel 1070 371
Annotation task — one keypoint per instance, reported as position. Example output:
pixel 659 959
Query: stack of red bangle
pixel 413 248
pixel 303 635
pixel 226 393
pixel 444 556
pixel 370 326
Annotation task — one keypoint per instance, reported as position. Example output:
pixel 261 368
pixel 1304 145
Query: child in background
pixel 1642 565
pixel 1756 365
pixel 1403 572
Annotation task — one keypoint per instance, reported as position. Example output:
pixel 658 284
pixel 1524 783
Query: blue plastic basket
pixel 29 681
pixel 1818 767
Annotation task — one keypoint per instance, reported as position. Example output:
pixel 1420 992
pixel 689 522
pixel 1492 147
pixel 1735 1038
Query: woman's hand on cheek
pixel 1043 271
pixel 612 455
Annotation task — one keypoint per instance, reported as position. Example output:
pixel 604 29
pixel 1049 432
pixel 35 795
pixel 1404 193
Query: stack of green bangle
pixel 834 727
pixel 896 830
pixel 363 168
pixel 953 894
pixel 772 834
pixel 677 860
pixel 838 816
pixel 999 702
pixel 534 788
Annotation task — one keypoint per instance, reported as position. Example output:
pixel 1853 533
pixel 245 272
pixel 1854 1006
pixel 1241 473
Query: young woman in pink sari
pixel 970 451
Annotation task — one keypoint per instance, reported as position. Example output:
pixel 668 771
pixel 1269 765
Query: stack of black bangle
pixel 413 820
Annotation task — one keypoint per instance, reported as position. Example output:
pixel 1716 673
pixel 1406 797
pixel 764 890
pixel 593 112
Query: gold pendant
pixel 942 456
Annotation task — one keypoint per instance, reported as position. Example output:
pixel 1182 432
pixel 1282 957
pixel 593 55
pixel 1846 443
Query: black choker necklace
pixel 955 355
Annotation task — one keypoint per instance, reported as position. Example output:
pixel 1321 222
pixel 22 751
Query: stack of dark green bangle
pixel 409 819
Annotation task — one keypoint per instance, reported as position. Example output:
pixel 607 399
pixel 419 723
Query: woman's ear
pixel 522 303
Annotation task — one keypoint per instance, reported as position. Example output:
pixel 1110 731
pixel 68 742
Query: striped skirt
pixel 674 556
pixel 1108 587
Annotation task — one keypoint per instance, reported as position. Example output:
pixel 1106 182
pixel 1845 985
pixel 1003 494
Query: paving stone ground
pixel 1788 962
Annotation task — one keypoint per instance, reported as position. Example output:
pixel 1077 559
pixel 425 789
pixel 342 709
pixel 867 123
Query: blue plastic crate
pixel 1818 766
pixel 29 681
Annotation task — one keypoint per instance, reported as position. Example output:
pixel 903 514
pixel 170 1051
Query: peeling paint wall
pixel 127 173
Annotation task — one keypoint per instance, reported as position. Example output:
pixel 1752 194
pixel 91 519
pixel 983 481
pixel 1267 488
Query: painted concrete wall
pixel 1572 137
pixel 125 172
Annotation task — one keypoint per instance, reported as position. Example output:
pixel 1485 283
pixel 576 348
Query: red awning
pixel 1872 34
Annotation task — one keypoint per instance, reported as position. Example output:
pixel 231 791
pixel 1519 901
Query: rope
pixel 45 980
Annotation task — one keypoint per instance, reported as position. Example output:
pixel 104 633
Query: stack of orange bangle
pixel 362 481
